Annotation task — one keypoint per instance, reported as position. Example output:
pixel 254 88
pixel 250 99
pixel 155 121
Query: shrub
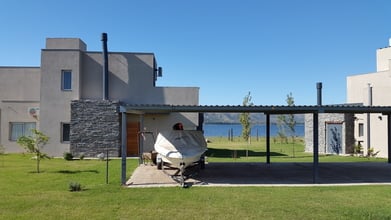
pixel 372 153
pixel 358 150
pixel 34 144
pixel 74 187
pixel 68 156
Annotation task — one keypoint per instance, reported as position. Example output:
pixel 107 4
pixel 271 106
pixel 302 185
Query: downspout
pixel 369 119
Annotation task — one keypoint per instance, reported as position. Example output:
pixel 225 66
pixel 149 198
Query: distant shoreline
pixel 235 129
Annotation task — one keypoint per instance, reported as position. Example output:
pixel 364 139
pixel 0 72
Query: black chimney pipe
pixel 319 89
pixel 105 68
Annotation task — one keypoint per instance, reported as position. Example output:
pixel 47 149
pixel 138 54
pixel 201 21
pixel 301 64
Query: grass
pixel 222 150
pixel 25 194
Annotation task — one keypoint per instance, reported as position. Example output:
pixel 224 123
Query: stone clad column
pixel 95 128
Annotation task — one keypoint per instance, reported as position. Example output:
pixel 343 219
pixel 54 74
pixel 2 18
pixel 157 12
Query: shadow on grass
pixel 76 171
pixel 229 153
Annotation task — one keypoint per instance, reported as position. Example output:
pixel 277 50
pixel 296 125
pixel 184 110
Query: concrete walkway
pixel 274 174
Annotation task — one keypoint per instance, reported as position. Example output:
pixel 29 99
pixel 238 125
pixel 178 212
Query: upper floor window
pixel 66 80
pixel 18 129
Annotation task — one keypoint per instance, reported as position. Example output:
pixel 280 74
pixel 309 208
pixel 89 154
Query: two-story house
pixel 63 99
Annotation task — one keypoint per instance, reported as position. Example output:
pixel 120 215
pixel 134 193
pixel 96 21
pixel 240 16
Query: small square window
pixel 65 132
pixel 66 80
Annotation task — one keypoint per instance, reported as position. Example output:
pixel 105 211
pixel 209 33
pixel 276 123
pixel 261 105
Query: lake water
pixel 216 130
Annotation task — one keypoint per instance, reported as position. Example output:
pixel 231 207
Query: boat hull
pixel 180 148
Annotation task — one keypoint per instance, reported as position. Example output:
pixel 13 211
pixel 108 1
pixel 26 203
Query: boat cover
pixel 181 144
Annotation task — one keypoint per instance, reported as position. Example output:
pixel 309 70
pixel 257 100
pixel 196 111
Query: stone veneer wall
pixel 347 129
pixel 95 128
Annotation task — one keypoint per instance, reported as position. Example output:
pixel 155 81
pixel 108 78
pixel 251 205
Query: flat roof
pixel 267 109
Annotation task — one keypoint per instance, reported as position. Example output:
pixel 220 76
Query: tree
pixel 245 118
pixel 281 128
pixel 287 122
pixel 290 119
pixel 34 144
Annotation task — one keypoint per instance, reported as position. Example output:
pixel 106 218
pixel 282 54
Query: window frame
pixel 66 84
pixel 360 129
pixel 24 131
pixel 62 139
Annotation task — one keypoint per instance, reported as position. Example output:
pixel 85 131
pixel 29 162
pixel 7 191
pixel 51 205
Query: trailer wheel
pixel 202 162
pixel 159 163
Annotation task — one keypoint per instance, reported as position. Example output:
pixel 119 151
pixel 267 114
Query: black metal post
pixel 124 147
pixel 107 165
pixel 316 134
pixel 316 147
pixel 389 136
pixel 105 68
pixel 268 138
pixel 141 142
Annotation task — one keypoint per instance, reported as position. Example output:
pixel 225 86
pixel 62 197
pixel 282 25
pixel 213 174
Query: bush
pixel 68 156
pixel 74 187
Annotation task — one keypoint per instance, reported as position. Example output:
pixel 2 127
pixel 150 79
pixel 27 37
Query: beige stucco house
pixel 372 89
pixel 69 81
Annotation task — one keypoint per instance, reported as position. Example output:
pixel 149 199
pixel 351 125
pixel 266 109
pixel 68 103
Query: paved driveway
pixel 274 174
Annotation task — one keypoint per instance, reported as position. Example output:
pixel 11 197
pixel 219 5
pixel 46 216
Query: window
pixel 18 129
pixel 360 129
pixel 65 132
pixel 66 80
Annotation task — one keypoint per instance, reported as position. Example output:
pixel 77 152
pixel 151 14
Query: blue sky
pixel 227 48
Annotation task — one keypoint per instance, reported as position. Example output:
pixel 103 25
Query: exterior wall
pixel 358 92
pixel 55 102
pixel 19 91
pixel 132 79
pixel 65 44
pixel 347 121
pixel 95 128
pixel 161 122
pixel 383 57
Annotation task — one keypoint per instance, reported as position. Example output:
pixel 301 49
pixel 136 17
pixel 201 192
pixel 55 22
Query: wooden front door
pixel 132 130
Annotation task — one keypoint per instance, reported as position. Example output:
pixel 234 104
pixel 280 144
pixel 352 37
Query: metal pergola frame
pixel 265 109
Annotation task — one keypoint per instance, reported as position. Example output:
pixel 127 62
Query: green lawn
pixel 222 150
pixel 25 194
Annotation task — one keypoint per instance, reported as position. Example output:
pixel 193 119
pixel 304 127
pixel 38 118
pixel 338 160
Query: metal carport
pixel 267 110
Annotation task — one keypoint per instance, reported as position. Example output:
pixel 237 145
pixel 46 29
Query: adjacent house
pixel 372 89
pixel 63 98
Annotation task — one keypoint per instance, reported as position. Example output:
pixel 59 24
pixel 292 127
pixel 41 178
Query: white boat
pixel 180 148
